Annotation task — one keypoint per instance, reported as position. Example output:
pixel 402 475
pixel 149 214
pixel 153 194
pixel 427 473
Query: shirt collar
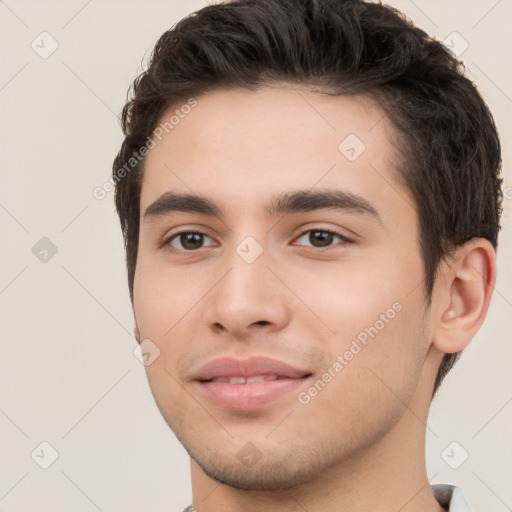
pixel 450 497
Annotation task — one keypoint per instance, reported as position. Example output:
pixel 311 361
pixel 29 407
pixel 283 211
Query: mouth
pixel 249 384
pixel 245 380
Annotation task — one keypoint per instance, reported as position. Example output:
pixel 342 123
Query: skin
pixel 359 444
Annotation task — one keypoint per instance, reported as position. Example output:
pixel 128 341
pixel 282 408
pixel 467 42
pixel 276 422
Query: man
pixel 310 197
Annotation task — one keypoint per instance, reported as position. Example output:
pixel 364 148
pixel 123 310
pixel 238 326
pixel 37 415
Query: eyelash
pixel 168 240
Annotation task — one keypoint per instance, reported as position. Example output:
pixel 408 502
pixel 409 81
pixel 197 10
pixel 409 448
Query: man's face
pixel 329 329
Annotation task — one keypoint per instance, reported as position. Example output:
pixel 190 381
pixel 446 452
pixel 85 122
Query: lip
pixel 249 395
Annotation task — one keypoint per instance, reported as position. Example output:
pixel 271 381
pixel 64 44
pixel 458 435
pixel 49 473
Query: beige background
pixel 68 375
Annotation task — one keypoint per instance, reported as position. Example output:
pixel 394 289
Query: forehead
pixel 242 144
pixel 252 118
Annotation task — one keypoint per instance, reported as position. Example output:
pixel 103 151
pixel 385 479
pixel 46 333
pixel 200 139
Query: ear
pixel 467 280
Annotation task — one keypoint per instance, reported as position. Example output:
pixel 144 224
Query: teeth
pixel 237 380
pixel 257 378
pixel 243 380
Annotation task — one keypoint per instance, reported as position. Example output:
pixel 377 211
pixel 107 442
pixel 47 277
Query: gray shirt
pixel 449 496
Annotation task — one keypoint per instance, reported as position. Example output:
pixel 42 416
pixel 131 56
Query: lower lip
pixel 248 396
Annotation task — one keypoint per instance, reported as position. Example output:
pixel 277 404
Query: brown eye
pixel 189 240
pixel 323 238
pixel 319 238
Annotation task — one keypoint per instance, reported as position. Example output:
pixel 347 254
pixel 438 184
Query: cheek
pixel 390 362
pixel 350 296
pixel 160 308
pixel 163 297
pixel 375 321
pixel 367 385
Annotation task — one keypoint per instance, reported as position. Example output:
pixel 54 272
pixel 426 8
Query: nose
pixel 249 299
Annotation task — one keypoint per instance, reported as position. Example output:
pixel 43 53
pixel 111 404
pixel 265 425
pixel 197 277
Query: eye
pixel 189 240
pixel 322 237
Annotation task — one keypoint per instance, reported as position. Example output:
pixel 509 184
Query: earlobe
pixel 469 283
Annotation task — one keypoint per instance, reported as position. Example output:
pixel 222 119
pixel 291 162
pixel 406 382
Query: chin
pixel 262 477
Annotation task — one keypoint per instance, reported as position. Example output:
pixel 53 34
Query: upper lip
pixel 251 367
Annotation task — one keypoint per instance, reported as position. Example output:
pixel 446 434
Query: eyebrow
pixel 285 203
